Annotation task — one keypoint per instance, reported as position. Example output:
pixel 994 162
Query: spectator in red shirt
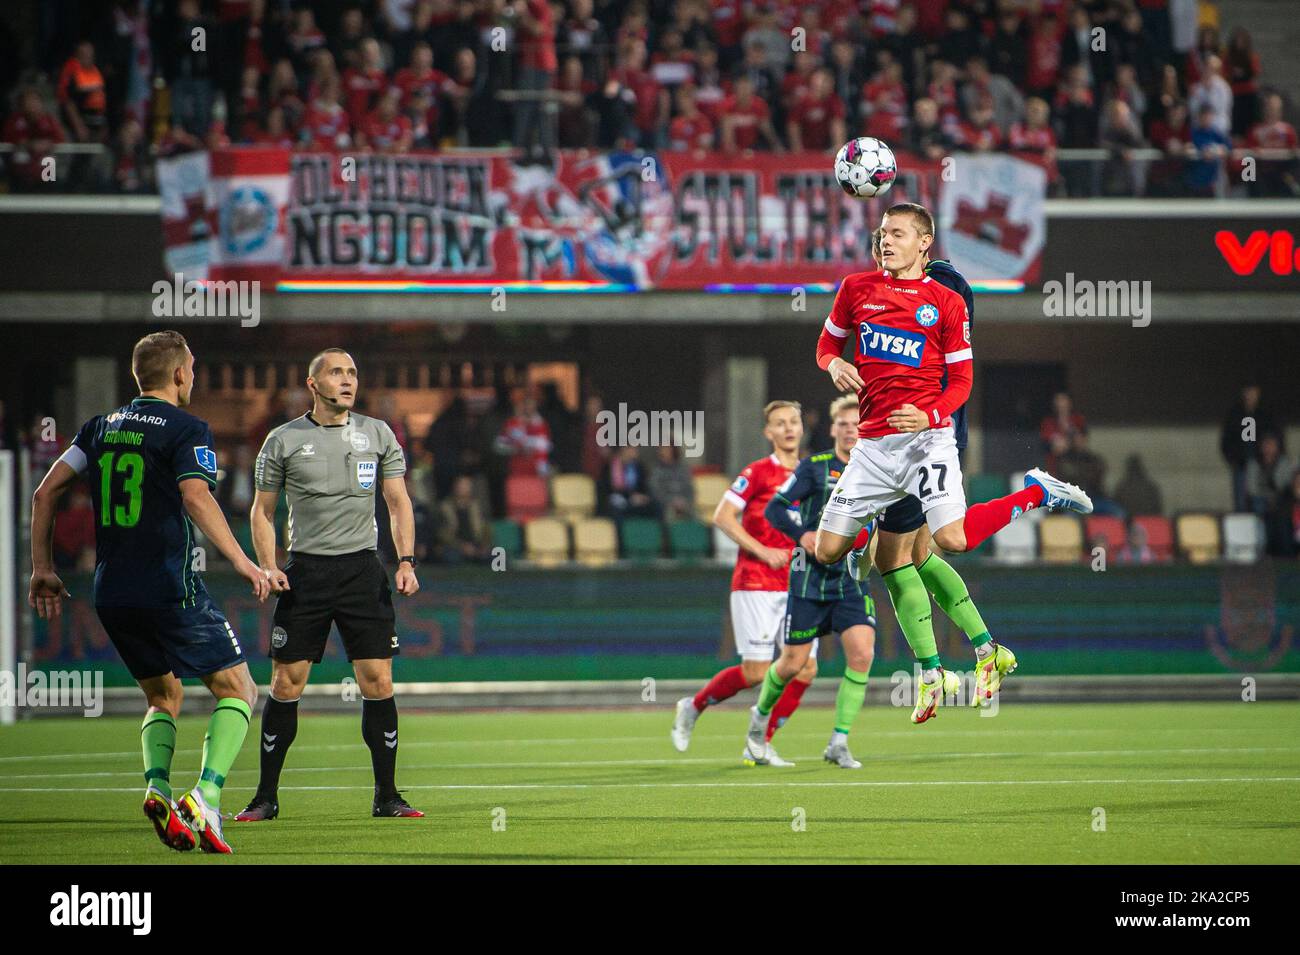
pixel 797 81
pixel 363 87
pixel 305 38
pixel 525 438
pixel 81 94
pixel 34 132
pixel 1058 429
pixel 691 129
pixel 386 129
pixel 326 125
pixel 818 123
pixel 283 92
pixel 884 104
pixel 981 134
pixel 421 76
pixel 1034 136
pixel 74 532
pixel 1277 176
pixel 638 89
pixel 250 104
pixel 1044 58
pixel 574 122
pixel 276 132
pixel 534 133
pixel 745 118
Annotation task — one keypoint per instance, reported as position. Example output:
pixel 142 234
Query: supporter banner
pixel 183 187
pixel 623 221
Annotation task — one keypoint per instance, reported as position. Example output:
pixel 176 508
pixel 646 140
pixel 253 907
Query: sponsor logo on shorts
pixel 894 344
pixel 927 315
pixel 366 471
pixel 207 458
pixel 394 641
pixel 279 637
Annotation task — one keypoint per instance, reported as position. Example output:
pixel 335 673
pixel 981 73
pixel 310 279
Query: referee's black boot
pixel 394 805
pixel 261 809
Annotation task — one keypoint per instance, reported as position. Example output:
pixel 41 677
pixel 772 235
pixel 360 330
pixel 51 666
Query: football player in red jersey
pixel 759 583
pixel 907 330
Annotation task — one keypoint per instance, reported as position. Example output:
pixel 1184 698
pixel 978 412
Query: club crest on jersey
pixel 366 471
pixel 207 458
pixel 965 331
pixel 927 315
pixel 891 344
pixel 740 484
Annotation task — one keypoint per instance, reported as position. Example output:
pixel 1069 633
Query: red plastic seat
pixel 1111 530
pixel 1160 534
pixel 526 497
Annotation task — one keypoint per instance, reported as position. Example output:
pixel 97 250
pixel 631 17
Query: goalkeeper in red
pixel 906 330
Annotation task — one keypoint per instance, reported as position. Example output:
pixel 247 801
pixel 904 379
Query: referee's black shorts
pixel 350 590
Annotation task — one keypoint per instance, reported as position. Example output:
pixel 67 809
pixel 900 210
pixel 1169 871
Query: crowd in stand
pixel 931 76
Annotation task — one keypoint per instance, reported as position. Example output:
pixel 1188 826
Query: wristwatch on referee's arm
pixel 408 560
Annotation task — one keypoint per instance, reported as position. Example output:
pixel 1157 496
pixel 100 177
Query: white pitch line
pixel 584 740
pixel 875 759
pixel 742 785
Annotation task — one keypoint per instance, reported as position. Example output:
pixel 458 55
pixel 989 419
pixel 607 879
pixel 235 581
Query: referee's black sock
pixel 379 730
pixel 279 727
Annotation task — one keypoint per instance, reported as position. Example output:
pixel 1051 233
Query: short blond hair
pixel 777 406
pixel 842 403
pixel 156 357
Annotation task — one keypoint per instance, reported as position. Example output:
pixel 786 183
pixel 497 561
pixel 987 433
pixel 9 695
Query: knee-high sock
pixel 379 730
pixel 950 593
pixel 279 727
pixel 773 687
pixel 724 685
pixel 849 699
pixel 984 520
pixel 912 605
pixel 226 731
pixel 785 706
pixel 158 740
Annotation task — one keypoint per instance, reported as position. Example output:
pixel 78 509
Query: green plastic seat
pixel 689 540
pixel 642 538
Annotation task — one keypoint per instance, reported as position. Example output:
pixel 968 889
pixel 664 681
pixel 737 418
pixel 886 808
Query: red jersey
pixel 906 333
pixel 361 89
pixel 1279 135
pixel 327 126
pixel 690 132
pixel 750 492
pixel 814 116
pixel 387 134
pixel 538 50
pixel 746 120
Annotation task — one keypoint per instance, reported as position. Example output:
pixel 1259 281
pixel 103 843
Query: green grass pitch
pixel 1178 783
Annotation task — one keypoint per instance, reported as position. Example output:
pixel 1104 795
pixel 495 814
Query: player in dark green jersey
pixel 152 467
pixel 822 597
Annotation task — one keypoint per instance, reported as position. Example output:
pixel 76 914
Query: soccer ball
pixel 865 167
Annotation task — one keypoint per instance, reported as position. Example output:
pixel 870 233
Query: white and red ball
pixel 865 167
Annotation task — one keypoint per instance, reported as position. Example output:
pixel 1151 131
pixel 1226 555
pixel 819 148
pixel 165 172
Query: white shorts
pixel 758 623
pixel 884 470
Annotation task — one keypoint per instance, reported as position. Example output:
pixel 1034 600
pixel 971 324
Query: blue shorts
pixel 807 619
pixel 905 516
pixel 187 641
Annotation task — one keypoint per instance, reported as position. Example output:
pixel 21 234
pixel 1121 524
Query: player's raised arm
pixel 726 517
pixel 830 345
pixel 45 592
pixel 796 488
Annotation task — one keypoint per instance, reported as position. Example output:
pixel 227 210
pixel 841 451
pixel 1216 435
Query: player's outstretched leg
pixel 982 521
pixel 724 684
pixel 993 660
pixel 758 751
pixel 158 741
pixel 859 649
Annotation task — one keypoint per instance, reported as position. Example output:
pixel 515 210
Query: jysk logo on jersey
pixel 207 459
pixel 892 344
pixel 927 315
pixel 366 471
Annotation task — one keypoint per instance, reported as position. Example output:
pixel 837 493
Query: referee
pixel 329 462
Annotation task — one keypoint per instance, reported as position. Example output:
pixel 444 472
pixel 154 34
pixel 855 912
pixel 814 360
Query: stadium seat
pixel 688 540
pixel 525 497
pixel 1160 534
pixel 1198 537
pixel 507 535
pixel 709 489
pixel 595 541
pixel 546 541
pixel 724 548
pixel 986 487
pixel 1017 543
pixel 1111 531
pixel 573 497
pixel 1060 539
pixel 1243 538
pixel 643 538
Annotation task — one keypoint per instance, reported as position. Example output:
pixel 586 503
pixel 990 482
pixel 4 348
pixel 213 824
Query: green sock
pixel 226 732
pixel 158 739
pixel 771 692
pixel 849 699
pixel 953 598
pixel 912 606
